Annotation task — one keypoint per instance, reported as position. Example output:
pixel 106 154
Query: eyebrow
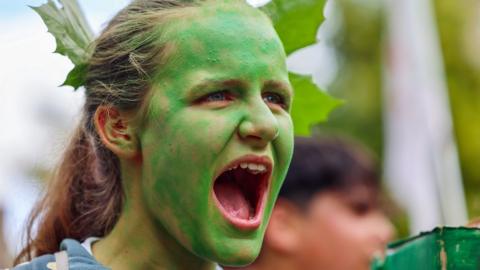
pixel 228 82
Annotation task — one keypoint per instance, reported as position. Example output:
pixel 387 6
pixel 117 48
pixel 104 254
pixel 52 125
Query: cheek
pixel 350 229
pixel 207 129
pixel 320 243
pixel 329 229
pixel 331 242
pixel 191 135
pixel 335 229
pixel 180 154
pixel 284 143
pixel 282 155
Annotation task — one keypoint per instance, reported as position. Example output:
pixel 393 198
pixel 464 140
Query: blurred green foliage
pixel 304 16
pixel 309 101
pixel 360 48
pixel 459 28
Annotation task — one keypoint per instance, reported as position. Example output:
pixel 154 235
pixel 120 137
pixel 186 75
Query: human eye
pixel 216 97
pixel 361 208
pixel 275 99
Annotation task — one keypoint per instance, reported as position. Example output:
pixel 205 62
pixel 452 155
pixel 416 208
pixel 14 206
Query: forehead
pixel 224 36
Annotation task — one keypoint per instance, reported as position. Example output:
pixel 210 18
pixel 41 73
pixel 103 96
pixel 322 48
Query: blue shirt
pixel 78 259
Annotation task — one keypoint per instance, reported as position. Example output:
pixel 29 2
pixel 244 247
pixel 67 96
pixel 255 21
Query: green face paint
pixel 221 102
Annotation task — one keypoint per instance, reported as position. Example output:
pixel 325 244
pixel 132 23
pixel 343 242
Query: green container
pixel 444 248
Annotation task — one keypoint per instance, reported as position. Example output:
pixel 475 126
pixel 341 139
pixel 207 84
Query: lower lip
pixel 244 224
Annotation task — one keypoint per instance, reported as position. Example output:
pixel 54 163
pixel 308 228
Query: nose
pixel 259 125
pixel 385 230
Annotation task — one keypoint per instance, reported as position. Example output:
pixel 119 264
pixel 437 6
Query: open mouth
pixel 240 191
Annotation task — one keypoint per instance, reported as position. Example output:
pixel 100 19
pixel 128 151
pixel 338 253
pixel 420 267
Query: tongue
pixel 232 199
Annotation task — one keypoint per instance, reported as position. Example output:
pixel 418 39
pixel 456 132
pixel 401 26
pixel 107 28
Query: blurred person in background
pixel 328 214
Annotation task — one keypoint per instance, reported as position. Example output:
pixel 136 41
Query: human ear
pixel 284 230
pixel 116 131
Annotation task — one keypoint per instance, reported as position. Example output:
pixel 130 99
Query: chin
pixel 240 255
pixel 231 250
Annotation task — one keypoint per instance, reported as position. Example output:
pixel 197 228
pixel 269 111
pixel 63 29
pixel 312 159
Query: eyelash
pixel 280 100
pixel 209 98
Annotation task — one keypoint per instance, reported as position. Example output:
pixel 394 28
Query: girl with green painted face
pixel 185 141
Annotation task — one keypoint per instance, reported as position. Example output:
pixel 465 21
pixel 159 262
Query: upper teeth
pixel 252 167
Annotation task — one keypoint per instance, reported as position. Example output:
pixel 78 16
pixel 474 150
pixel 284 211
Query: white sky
pixel 36 114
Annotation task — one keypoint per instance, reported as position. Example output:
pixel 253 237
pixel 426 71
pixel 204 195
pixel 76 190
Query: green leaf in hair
pixel 310 104
pixel 296 21
pixel 72 34
pixel 76 76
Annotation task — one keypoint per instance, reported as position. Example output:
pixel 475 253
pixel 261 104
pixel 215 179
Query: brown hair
pixel 85 196
pixel 326 164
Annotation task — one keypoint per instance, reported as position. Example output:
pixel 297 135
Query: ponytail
pixel 83 199
pixel 85 196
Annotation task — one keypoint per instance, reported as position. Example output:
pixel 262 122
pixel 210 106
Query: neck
pixel 137 242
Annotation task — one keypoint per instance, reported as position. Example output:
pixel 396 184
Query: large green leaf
pixel 310 105
pixel 76 76
pixel 296 21
pixel 72 34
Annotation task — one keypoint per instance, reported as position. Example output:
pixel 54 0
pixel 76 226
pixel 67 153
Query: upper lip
pixel 264 160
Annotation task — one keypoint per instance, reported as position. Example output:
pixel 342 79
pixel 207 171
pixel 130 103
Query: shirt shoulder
pixel 78 259
pixel 39 263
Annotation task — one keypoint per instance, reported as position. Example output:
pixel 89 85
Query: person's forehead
pixel 222 26
pixel 225 41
